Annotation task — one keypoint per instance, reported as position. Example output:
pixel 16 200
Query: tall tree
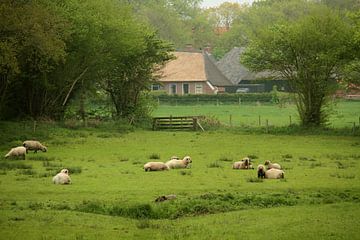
pixel 308 53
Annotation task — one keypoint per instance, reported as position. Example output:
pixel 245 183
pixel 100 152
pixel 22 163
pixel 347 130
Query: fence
pixel 177 123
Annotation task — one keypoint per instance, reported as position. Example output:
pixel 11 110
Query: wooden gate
pixel 177 123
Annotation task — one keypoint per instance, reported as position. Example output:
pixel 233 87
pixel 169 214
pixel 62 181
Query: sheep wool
pixel 34 146
pixel 17 152
pixel 243 164
pixel 155 166
pixel 272 165
pixel 62 177
pixel 274 173
pixel 174 163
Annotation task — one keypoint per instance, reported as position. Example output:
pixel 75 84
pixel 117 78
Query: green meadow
pixel 343 113
pixel 111 197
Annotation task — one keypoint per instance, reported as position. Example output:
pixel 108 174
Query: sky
pixel 215 3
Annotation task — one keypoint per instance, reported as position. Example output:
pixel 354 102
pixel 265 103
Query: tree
pixel 309 53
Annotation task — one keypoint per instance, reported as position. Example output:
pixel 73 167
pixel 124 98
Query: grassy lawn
pixel 113 198
pixel 344 113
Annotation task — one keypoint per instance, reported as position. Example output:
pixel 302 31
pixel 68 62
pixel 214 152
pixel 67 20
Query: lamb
pixel 17 152
pixel 62 177
pixel 34 145
pixel 174 163
pixel 261 171
pixel 243 164
pixel 272 165
pixel 274 173
pixel 155 166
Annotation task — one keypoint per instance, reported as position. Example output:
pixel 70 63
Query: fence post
pixel 195 123
pixel 34 127
pixel 259 120
pixel 267 126
pixel 353 128
pixel 158 100
pixel 239 101
pixel 290 120
pixel 230 120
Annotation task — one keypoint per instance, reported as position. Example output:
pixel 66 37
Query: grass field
pixel 343 113
pixel 111 196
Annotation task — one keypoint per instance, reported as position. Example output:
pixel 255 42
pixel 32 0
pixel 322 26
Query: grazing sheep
pixel 165 197
pixel 272 165
pixel 16 152
pixel 261 171
pixel 274 173
pixel 62 177
pixel 243 164
pixel 174 163
pixel 155 166
pixel 34 145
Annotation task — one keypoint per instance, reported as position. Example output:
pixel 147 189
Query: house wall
pixel 206 89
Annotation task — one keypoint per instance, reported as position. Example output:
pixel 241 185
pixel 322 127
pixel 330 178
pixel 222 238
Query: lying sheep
pixel 243 164
pixel 261 171
pixel 274 173
pixel 174 163
pixel 165 197
pixel 62 177
pixel 34 145
pixel 155 166
pixel 272 165
pixel 17 152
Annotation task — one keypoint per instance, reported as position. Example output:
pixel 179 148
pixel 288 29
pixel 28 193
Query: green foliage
pixel 305 53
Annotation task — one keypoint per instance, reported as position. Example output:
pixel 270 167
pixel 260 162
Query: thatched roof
pixel 193 67
pixel 188 66
pixel 231 67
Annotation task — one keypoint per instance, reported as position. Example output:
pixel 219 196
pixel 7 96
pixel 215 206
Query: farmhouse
pixel 192 72
pixel 245 80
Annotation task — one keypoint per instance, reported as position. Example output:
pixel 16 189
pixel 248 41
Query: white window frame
pixel 171 88
pixel 199 89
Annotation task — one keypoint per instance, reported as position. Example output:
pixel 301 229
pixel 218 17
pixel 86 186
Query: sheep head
pixel 43 148
pixel 65 171
pixel 187 159
pixel 267 162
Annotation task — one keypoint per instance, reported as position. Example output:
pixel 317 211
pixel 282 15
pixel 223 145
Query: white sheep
pixel 272 165
pixel 274 173
pixel 243 164
pixel 155 166
pixel 34 145
pixel 16 152
pixel 62 177
pixel 174 163
pixel 261 171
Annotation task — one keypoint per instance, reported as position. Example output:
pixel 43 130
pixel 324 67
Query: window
pixel 198 88
pixel 185 88
pixel 173 88
pixel 155 87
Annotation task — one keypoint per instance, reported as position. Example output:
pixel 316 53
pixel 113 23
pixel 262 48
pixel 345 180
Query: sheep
pixel 62 177
pixel 261 171
pixel 17 152
pixel 174 163
pixel 155 166
pixel 243 164
pixel 165 197
pixel 274 173
pixel 272 165
pixel 34 145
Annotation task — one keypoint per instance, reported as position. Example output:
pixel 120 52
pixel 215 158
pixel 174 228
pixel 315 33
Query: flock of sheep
pixel 19 152
pixel 271 171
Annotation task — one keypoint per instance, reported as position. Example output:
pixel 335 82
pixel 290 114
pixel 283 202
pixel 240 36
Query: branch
pixel 72 86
